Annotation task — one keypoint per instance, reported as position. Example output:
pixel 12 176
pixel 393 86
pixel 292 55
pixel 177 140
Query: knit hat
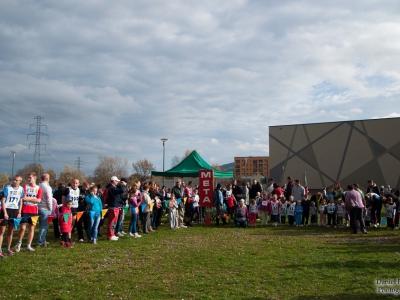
pixel 219 186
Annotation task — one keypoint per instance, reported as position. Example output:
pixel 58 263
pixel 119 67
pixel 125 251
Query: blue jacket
pixel 298 209
pixel 218 198
pixel 94 202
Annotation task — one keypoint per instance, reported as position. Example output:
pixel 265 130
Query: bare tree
pixel 52 176
pixel 216 166
pixel 142 168
pixel 176 160
pixel 110 166
pixel 69 173
pixel 28 168
pixel 4 180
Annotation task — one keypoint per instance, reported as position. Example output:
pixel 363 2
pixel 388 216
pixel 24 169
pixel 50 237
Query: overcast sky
pixel 114 77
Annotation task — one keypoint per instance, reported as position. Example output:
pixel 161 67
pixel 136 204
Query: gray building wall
pixel 349 152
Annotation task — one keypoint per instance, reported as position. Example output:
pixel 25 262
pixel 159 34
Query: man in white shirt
pixel 45 209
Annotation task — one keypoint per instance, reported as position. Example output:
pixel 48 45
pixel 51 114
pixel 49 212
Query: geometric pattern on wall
pixel 349 152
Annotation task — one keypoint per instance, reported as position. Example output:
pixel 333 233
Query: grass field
pixel 210 263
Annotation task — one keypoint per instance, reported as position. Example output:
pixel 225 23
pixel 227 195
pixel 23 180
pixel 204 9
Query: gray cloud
pixel 114 78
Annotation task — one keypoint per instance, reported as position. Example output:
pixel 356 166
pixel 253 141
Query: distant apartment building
pixel 251 166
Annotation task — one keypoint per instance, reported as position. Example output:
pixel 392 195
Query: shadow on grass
pixel 343 296
pixel 353 265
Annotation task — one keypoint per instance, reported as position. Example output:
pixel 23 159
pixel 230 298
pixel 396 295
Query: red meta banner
pixel 206 191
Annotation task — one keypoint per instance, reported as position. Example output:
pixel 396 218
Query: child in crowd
pixel 173 218
pixel 341 211
pixel 65 223
pixel 253 209
pixel 275 210
pixel 96 206
pixel 331 212
pixel 313 213
pixel 298 213
pixel 196 207
pixel 290 210
pixel 305 203
pixel 258 201
pixel 265 209
pixel 390 212
pixel 322 213
pixel 135 200
pixel 241 215
pixel 258 198
pixel 283 210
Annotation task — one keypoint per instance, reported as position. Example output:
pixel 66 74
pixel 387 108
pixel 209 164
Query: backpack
pixel 105 196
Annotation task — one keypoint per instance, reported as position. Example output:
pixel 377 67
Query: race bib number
pixel 12 202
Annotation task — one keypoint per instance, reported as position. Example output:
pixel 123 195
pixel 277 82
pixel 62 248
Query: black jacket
pixel 58 194
pixel 114 196
pixel 374 189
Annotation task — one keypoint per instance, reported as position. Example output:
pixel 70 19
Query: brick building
pixel 251 166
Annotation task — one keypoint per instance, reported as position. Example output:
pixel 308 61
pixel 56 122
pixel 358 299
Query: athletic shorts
pixel 188 209
pixel 12 214
pixel 26 218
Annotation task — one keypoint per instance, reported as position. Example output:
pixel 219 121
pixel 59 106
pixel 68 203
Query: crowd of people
pixel 292 204
pixel 82 208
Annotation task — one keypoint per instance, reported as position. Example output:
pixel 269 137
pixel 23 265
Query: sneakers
pixel 94 241
pixel 10 252
pixel 113 238
pixel 182 226
pixel 376 225
pixel 396 228
pixel 69 245
pixel 1 255
pixel 17 247
pixel 62 243
pixel 80 240
pixel 123 232
pixel 131 234
pixel 137 236
pixel 44 245
pixel 30 249
pixel 119 234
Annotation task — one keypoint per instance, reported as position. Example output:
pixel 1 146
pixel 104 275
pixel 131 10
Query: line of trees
pixel 106 168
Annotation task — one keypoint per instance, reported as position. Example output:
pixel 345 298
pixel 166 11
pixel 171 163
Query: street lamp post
pixel 12 170
pixel 163 162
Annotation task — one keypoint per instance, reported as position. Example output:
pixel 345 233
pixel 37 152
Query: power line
pixel 10 114
pixel 51 158
pixel 6 125
pixel 8 143
pixel 56 149
pixel 78 163
pixel 38 134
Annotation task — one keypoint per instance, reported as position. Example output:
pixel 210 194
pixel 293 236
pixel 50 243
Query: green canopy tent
pixel 190 167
